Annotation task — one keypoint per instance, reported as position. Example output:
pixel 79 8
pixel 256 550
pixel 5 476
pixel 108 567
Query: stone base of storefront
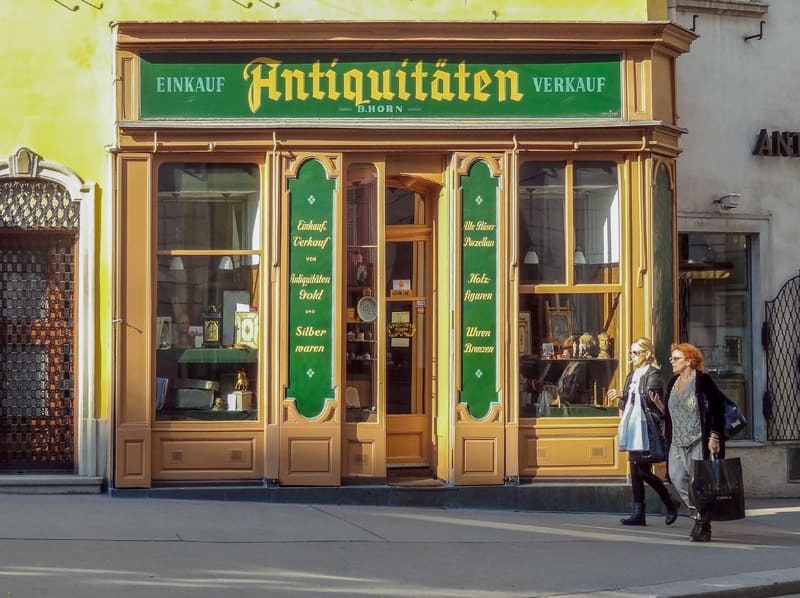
pixel 50 484
pixel 586 496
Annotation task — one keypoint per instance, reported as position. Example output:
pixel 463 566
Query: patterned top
pixel 685 414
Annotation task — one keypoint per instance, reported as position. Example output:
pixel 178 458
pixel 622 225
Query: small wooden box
pixel 240 400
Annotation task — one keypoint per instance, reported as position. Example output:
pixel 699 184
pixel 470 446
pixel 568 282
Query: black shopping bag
pixel 717 490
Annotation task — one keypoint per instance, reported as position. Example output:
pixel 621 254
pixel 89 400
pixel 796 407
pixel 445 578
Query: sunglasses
pixel 635 352
pixel 675 358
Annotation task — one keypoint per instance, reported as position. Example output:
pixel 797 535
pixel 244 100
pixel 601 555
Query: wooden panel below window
pixel 574 447
pixel 480 454
pixel 207 455
pixel 363 456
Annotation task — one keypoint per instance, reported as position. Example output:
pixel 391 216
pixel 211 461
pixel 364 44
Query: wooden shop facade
pixel 348 249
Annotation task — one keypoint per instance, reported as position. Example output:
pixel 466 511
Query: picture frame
pixel 733 350
pixel 246 325
pixel 559 324
pixel 230 299
pixel 524 333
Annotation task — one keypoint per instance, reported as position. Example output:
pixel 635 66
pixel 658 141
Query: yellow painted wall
pixel 56 83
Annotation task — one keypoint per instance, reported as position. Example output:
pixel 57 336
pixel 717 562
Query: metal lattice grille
pixel 36 352
pixel 35 205
pixel 781 338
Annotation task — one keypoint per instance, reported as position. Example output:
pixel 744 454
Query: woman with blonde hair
pixel 695 424
pixel 644 383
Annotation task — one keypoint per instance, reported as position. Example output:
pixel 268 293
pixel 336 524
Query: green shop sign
pixel 479 304
pixel 311 289
pixel 396 86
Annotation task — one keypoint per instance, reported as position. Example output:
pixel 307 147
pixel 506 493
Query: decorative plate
pixel 367 309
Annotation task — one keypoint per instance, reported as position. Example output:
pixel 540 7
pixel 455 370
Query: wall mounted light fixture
pixel 729 201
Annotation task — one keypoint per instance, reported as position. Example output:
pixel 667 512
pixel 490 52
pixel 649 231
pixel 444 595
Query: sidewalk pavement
pixel 92 545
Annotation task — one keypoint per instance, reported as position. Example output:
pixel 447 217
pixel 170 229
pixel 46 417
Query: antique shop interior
pixel 345 291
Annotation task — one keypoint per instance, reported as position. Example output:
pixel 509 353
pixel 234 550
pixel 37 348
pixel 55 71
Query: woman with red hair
pixel 694 424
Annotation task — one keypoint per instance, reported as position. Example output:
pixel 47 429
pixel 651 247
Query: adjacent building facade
pixel 737 194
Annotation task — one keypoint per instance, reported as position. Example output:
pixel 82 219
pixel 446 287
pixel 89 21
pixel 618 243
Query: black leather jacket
pixel 651 381
pixel 711 408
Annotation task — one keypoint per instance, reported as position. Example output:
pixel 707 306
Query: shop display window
pixel 207 324
pixel 568 354
pixel 569 248
pixel 361 301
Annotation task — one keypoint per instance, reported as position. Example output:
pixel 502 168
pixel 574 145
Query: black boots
pixel 672 511
pixel 701 532
pixel 637 517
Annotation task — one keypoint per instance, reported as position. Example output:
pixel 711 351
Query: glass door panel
pixel 406 304
pixel 405 362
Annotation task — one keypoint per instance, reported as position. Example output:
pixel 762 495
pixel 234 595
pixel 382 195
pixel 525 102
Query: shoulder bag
pixel 657 451
pixel 734 420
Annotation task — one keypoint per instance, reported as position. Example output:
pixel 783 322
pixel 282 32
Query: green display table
pixel 216 356
pixel 205 415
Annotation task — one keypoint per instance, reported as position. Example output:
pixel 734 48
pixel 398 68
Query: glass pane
pixel 404 206
pixel 568 356
pixel 541 222
pixel 206 338
pixel 362 193
pixel 715 297
pixel 406 271
pixel 208 206
pixel 405 358
pixel 361 301
pixel 596 218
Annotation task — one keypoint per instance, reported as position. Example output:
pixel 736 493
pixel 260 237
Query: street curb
pixel 759 584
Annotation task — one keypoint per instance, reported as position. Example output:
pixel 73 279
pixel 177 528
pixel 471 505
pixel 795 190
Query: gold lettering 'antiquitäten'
pixel 410 81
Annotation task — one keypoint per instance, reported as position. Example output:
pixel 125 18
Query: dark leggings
pixel 641 473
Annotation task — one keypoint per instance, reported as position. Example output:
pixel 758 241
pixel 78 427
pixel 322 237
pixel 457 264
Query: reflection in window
pixel 568 354
pixel 596 220
pixel 361 308
pixel 206 327
pixel 208 206
pixel 541 222
pixel 714 309
pixel 404 206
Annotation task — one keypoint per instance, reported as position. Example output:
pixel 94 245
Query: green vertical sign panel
pixel 479 302
pixel 311 201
